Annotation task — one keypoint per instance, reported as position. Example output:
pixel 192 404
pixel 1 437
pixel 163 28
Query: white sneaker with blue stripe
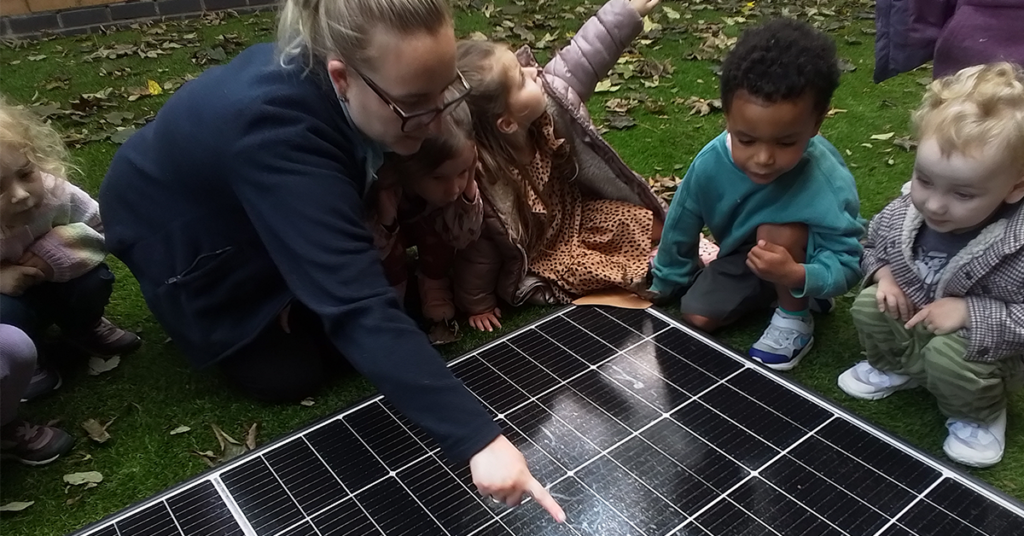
pixel 785 342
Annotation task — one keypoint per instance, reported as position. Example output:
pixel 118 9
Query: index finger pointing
pixel 545 500
pixel 916 319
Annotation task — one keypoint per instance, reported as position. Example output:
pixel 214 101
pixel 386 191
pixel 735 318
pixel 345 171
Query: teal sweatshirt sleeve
pixel 834 248
pixel 676 263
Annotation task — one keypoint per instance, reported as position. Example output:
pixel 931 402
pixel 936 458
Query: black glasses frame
pixel 426 116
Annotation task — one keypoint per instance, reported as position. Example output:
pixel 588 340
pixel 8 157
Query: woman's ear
pixel 507 125
pixel 338 71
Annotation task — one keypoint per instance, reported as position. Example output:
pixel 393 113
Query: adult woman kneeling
pixel 239 210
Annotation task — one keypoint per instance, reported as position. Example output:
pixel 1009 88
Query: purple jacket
pixel 955 33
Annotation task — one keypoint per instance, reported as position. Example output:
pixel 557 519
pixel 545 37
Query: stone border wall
pixel 26 19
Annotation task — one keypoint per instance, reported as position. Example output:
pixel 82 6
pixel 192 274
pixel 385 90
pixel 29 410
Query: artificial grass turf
pixel 153 391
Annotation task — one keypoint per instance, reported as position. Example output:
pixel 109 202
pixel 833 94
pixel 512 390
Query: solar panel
pixel 637 424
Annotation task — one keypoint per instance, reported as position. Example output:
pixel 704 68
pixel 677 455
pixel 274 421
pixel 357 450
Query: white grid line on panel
pixel 894 520
pixel 848 416
pixel 173 517
pixel 233 508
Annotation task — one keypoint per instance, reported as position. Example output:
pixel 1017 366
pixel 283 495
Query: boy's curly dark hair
pixel 781 60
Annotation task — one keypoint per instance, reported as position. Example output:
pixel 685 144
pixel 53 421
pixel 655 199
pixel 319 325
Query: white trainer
pixel 868 383
pixel 975 444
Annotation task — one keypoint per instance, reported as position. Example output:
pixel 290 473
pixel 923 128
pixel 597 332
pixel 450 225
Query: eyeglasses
pixel 417 120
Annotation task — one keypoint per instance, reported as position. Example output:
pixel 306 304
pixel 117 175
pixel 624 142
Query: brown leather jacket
pixel 496 265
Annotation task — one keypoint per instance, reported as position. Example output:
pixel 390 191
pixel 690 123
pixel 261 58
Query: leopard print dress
pixel 587 244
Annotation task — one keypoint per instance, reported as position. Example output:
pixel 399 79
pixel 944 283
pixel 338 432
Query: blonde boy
pixel 944 265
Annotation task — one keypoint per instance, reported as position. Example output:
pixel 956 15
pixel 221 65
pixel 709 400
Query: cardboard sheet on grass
pixel 621 298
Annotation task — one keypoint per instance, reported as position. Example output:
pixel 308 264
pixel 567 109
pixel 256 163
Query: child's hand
pixel 16 279
pixel 890 297
pixel 643 7
pixel 774 264
pixel 35 261
pixel 486 321
pixel 469 193
pixel 942 316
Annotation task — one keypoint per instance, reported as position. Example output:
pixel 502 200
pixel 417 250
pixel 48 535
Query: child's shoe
pixel 44 381
pixel 105 339
pixel 33 444
pixel 868 383
pixel 785 342
pixel 974 444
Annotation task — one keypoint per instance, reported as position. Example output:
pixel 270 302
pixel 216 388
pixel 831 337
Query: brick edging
pixel 89 19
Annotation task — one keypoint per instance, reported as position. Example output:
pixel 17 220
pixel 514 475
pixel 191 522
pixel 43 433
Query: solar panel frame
pixel 714 378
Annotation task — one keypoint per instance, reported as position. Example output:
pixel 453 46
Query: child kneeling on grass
pixel 945 265
pixel 777 197
pixel 51 247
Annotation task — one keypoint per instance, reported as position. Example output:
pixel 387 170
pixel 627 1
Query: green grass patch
pixel 153 391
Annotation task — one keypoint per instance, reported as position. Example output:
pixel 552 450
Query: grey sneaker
pixel 868 383
pixel 976 444
pixel 33 444
pixel 44 381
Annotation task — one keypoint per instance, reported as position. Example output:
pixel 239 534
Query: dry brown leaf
pixel 250 437
pixel 97 432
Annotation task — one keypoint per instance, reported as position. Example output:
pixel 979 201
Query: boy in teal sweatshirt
pixel 776 196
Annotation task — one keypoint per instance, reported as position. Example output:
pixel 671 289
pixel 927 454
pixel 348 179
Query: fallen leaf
pixel 906 142
pixel 16 506
pixel 223 438
pixel 620 105
pixel 250 437
pixel 846 65
pixel 97 432
pixel 207 456
pixel 924 80
pixel 620 121
pixel 650 26
pixel 116 118
pixel 36 57
pixel 307 402
pixel 154 87
pixel 477 36
pixel 88 477
pixel 229 448
pixel 72 500
pixel 180 430
pixel 835 111
pixel 98 365
pixel 885 136
pixel 605 86
pixel 120 137
pixel 890 161
pixel 670 13
pixel 701 106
